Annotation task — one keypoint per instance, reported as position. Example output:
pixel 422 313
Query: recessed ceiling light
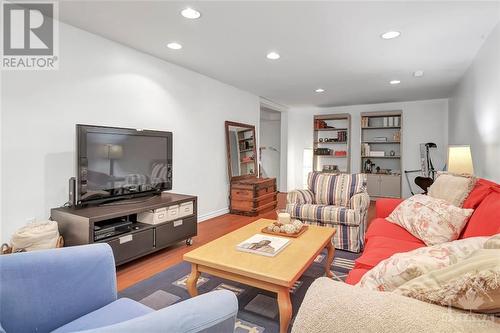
pixel 390 34
pixel 190 13
pixel 319 90
pixel 418 73
pixel 273 56
pixel 174 46
pixel 394 82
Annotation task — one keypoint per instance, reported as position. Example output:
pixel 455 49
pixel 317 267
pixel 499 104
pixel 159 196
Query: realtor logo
pixel 29 37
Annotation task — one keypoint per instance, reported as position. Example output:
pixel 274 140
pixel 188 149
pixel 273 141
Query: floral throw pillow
pixel 434 221
pixel 395 271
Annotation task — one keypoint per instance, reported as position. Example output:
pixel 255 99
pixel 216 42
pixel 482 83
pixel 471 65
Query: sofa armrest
pixel 300 197
pixel 360 202
pixel 384 207
pixel 213 312
pixel 327 302
pixel 43 290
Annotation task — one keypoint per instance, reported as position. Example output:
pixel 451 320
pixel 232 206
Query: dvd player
pixel 112 229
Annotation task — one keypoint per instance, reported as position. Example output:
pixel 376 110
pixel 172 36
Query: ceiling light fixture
pixel 273 56
pixel 174 46
pixel 319 90
pixel 418 73
pixel 190 13
pixel 394 82
pixel 390 34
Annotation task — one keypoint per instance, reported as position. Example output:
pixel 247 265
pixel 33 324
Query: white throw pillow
pixel 434 221
pixel 470 284
pixel 400 268
pixel 452 188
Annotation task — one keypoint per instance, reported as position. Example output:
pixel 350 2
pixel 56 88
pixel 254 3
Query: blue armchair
pixel 74 289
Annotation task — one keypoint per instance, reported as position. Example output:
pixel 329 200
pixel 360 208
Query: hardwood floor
pixel 143 268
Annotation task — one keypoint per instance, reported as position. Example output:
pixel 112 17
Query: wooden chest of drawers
pixel 252 196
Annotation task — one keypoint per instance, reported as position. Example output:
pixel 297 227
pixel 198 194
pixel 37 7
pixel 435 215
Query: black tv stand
pixel 133 239
pixel 128 201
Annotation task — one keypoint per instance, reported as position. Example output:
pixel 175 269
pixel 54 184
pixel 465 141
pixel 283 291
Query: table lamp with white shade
pixel 460 160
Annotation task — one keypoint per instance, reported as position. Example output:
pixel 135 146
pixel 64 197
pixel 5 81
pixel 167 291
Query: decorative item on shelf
pixel 364 122
pixel 396 136
pixel 365 150
pixel 390 121
pixel 368 166
pixel 248 145
pixel 392 153
pixel 330 168
pixel 322 151
pixel 247 159
pixel 385 122
pixel 319 124
pixel 340 153
pixel 378 169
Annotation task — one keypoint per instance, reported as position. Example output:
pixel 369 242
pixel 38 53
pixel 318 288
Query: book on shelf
pixel 263 245
pixel 375 153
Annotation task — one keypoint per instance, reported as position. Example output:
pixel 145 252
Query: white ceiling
pixel 332 45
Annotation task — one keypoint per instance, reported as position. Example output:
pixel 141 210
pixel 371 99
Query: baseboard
pixel 213 214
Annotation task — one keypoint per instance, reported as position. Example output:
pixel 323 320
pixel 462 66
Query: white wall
pixel 423 121
pixel 270 136
pixel 284 152
pixel 104 83
pixel 1 158
pixel 474 117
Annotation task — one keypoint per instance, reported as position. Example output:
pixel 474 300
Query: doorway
pixel 270 144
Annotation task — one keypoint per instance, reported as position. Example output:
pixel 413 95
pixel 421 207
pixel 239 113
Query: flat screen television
pixel 121 163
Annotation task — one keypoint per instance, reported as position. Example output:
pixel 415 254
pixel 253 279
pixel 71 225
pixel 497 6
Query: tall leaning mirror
pixel 241 150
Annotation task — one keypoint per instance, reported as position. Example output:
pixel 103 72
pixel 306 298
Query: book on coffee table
pixel 263 245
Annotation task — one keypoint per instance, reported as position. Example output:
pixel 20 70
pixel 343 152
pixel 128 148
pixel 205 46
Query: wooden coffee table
pixel 277 274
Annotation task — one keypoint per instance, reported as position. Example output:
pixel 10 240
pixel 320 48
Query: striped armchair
pixel 338 201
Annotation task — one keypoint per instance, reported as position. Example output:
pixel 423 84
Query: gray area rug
pixel 258 309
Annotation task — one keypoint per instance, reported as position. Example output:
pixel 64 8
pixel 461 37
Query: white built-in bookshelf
pixel 381 152
pixel 332 143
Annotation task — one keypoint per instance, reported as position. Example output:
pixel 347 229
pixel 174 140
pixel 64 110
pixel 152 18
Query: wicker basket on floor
pixel 7 249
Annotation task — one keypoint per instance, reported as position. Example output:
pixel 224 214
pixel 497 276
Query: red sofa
pixel 383 238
